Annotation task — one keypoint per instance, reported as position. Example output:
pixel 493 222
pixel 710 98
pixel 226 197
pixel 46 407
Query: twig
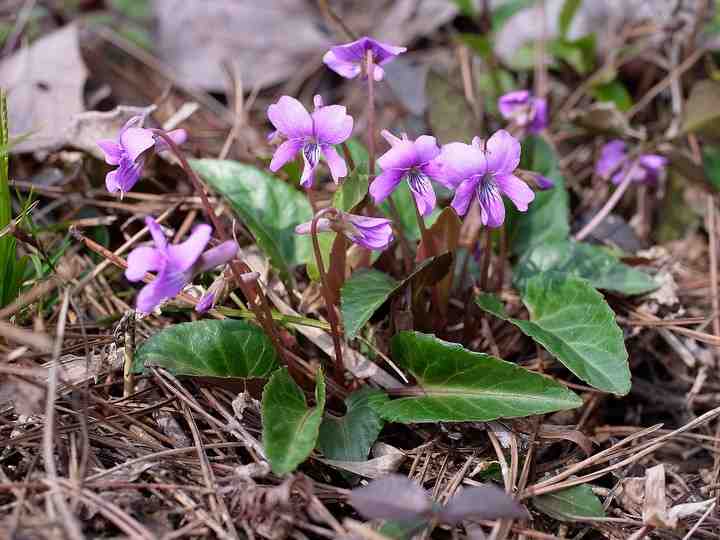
pixel 335 18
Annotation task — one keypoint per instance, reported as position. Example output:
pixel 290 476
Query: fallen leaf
pixel 86 128
pixel 269 40
pixel 272 39
pixel 45 84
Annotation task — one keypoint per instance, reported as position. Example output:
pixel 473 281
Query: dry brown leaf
pixel 655 504
pixel 45 84
pixel 268 40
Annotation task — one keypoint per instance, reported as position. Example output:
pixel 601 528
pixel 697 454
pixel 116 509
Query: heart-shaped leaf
pixel 595 264
pixel 570 504
pixel 546 219
pixel 350 437
pixel 458 385
pixel 226 348
pixel 574 323
pixel 269 207
pixel 290 427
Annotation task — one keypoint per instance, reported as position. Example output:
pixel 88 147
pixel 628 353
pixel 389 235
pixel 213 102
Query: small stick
pixel 332 315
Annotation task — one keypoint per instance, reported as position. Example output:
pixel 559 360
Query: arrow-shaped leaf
pixel 574 323
pixel 458 385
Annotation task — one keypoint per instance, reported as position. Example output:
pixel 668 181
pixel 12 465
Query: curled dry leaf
pixel 393 497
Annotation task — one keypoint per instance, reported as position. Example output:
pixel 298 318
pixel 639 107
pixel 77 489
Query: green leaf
pixel 352 191
pixel 290 427
pixel 368 289
pixel 226 348
pixel 11 270
pixel 578 53
pixel 269 207
pixel 458 385
pixel 466 7
pixel 615 92
pixel 349 438
pixel 571 503
pixel 574 323
pixel 547 218
pixel 362 295
pixel 567 14
pixel 600 268
pixel 711 164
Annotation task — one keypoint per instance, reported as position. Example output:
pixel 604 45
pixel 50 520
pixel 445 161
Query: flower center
pixel 487 190
pixel 311 151
pixel 418 182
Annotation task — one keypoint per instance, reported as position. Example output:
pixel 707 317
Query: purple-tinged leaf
pixel 485 502
pixel 394 497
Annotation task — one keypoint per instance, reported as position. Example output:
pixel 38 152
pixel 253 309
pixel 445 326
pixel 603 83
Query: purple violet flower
pixel 486 173
pixel 369 232
pixel 348 60
pixel 615 165
pixel 525 110
pixel 311 134
pixel 128 153
pixel 407 160
pixel 176 265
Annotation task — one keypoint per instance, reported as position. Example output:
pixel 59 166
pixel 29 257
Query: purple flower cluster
pixel 481 171
pixel 128 152
pixel 484 170
pixel 615 165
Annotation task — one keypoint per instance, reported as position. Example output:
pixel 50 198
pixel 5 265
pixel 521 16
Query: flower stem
pixel 609 205
pixel 332 314
pixel 256 299
pixel 369 69
pixel 486 257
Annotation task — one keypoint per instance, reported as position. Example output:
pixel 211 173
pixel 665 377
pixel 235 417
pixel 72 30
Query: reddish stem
pixel 332 314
